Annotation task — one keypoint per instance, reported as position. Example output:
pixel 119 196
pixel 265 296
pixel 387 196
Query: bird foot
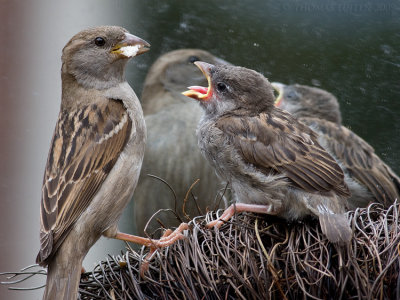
pixel 168 238
pixel 241 207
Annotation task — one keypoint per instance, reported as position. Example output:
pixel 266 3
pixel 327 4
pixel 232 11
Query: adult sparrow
pixel 273 162
pixel 171 150
pixel 95 156
pixel 367 176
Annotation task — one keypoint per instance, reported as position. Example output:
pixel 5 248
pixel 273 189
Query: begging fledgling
pixel 273 162
pixel 171 151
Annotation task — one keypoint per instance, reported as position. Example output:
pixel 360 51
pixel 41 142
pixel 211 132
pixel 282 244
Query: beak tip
pixel 131 39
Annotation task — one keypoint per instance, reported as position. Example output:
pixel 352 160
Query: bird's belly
pixel 270 192
pixel 288 203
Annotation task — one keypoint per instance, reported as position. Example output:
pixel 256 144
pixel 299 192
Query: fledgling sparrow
pixel 307 101
pixel 367 176
pixel 274 163
pixel 171 151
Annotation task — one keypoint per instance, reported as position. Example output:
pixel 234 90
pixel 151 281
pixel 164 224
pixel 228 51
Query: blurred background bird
pixel 172 153
pixel 368 177
pixel 273 162
pixel 307 101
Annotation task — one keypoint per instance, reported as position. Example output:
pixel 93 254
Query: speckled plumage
pixel 95 155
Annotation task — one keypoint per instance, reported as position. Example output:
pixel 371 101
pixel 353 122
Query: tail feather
pixel 63 276
pixel 336 227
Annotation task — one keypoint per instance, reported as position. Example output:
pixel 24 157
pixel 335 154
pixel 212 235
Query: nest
pixel 261 257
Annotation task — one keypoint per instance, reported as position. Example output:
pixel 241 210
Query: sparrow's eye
pixel 221 86
pixel 291 95
pixel 193 59
pixel 99 41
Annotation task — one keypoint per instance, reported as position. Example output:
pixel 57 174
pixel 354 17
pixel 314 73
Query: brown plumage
pixel 368 177
pixel 273 162
pixel 95 155
pixel 81 158
pixel 276 144
pixel 171 151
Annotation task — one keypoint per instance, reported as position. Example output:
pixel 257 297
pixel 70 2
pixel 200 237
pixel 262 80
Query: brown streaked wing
pixel 279 142
pixel 359 158
pixel 85 146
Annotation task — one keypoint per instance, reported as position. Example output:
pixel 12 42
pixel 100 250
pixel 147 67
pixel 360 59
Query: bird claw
pixel 167 239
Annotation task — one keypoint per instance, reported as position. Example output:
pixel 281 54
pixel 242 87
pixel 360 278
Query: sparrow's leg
pixel 241 207
pixel 169 237
pixel 164 241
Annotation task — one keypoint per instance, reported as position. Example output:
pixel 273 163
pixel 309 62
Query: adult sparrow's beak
pixel 130 46
pixel 199 92
pixel 278 87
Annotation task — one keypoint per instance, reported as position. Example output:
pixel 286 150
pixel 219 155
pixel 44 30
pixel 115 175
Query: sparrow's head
pixel 96 57
pixel 232 88
pixel 307 101
pixel 169 76
pixel 174 69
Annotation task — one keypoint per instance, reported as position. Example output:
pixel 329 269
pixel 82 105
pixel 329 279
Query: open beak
pixel 199 92
pixel 278 87
pixel 131 46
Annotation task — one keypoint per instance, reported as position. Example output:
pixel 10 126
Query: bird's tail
pixel 63 276
pixel 336 227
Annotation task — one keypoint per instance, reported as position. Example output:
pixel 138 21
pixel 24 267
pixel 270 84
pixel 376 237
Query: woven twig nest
pixel 261 257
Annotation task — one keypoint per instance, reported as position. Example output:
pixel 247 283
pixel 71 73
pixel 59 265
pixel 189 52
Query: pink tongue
pixel 199 89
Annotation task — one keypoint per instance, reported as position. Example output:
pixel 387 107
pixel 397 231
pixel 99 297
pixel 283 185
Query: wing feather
pixel 85 146
pixel 359 159
pixel 277 142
